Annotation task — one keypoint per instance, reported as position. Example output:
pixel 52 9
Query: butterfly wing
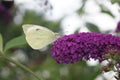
pixel 38 36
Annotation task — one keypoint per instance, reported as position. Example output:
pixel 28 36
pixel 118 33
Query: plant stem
pixel 21 65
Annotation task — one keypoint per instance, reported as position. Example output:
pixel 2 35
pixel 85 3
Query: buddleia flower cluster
pixel 5 11
pixel 83 46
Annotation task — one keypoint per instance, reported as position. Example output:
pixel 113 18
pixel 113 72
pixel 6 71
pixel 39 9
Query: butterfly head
pixel 57 35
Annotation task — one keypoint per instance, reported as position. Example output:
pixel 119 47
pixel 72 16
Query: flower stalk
pixel 21 65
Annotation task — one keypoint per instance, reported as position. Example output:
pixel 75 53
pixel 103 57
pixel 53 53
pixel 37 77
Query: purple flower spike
pixel 5 15
pixel 75 47
pixel 118 27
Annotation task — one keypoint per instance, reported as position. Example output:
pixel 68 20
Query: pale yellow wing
pixel 37 36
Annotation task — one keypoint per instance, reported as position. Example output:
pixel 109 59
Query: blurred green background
pixel 40 61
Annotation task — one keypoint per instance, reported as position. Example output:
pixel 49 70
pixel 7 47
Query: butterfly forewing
pixel 39 37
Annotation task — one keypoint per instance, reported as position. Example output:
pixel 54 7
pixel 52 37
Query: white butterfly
pixel 38 36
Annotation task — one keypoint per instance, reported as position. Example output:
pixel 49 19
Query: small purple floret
pixel 75 47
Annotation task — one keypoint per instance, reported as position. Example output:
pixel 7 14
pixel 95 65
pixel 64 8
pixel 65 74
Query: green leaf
pixel 81 10
pixel 106 10
pixel 92 27
pixel 1 43
pixel 115 1
pixel 16 42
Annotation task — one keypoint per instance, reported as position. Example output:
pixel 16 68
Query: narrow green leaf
pixel 106 10
pixel 1 43
pixel 16 42
pixel 115 1
pixel 92 27
pixel 81 10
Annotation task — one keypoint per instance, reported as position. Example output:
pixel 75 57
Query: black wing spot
pixel 37 29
